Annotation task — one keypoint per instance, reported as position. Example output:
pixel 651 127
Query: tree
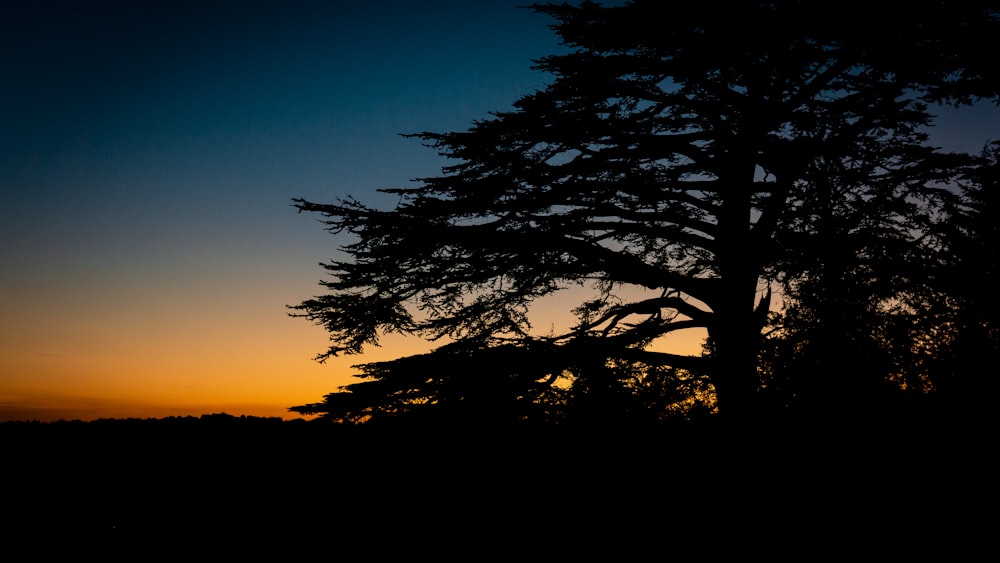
pixel 862 249
pixel 660 168
pixel 969 331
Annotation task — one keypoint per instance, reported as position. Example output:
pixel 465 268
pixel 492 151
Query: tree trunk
pixel 735 341
pixel 735 331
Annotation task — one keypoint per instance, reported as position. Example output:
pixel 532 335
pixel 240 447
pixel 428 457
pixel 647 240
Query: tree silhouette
pixel 662 168
pixel 968 332
pixel 862 246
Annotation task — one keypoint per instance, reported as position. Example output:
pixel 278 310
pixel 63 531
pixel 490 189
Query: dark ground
pixel 238 485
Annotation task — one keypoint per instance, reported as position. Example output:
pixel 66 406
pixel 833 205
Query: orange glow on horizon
pixel 151 353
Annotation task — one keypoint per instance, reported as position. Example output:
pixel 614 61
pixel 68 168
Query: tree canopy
pixel 687 168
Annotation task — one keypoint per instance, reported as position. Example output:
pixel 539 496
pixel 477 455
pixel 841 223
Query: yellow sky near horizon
pixel 98 360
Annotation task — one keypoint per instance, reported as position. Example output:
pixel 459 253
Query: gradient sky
pixel 149 154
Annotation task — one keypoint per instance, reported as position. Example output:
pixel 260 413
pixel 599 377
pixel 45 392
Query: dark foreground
pixel 237 485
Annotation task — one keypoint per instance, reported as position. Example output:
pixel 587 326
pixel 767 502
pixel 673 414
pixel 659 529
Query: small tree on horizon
pixel 661 169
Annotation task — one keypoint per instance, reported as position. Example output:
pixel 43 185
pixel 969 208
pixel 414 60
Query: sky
pixel 150 153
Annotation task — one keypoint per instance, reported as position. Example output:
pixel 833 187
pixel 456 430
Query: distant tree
pixel 862 244
pixel 967 344
pixel 661 168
